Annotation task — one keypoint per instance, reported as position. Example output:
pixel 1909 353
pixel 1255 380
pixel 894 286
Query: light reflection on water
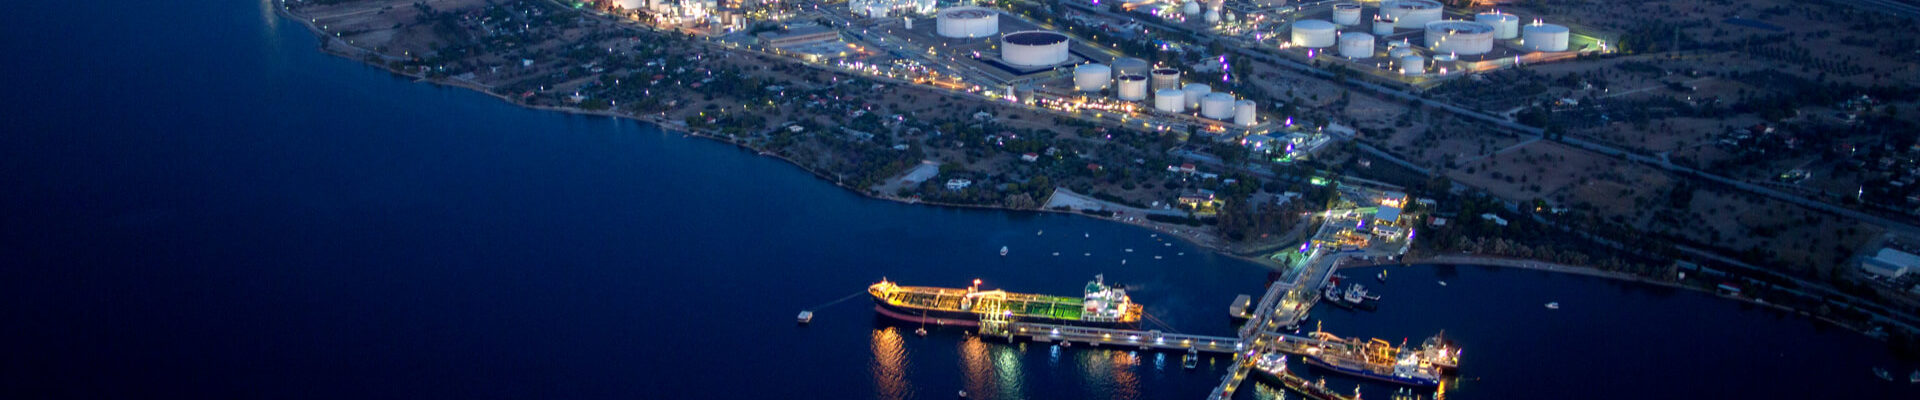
pixel 890 364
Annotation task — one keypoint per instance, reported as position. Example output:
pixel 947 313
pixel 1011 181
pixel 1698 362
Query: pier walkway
pixel 1119 338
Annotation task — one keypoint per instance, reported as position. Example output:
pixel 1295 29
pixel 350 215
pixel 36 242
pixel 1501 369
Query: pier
pixel 1107 337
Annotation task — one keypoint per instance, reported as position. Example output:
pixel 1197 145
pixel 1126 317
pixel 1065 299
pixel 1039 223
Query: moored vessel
pixel 1100 305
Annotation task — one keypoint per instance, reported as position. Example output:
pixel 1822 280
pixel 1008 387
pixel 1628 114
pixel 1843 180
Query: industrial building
pixel 1891 263
pixel 799 36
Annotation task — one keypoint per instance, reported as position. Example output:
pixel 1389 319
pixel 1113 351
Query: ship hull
pixel 969 319
pixel 1363 373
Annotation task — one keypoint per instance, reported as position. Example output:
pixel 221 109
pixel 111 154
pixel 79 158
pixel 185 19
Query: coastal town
pixel 1628 140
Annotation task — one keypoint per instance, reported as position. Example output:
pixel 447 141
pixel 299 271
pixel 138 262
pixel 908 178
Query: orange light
pixel 976 282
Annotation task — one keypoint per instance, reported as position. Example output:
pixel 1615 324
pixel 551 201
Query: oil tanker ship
pixel 1100 306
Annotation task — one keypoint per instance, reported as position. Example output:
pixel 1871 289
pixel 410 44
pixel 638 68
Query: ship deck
pixel 1021 304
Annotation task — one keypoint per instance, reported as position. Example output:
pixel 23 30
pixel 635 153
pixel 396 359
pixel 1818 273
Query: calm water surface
pixel 199 204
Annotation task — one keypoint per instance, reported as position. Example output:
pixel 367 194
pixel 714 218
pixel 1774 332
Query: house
pixel 1891 263
pixel 1386 216
pixel 957 184
pixel 1030 157
pixel 1199 199
pixel 1495 218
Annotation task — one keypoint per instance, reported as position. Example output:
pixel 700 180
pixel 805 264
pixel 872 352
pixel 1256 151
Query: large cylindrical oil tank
pixel 1132 87
pixel 1544 37
pixel 967 22
pixel 1413 65
pixel 1194 91
pixel 1243 113
pixel 1130 66
pixel 1213 16
pixel 1412 14
pixel 1192 8
pixel 1505 26
pixel 1091 77
pixel 1312 33
pixel 1356 45
pixel 1399 53
pixel 1170 100
pixel 1383 27
pixel 1033 48
pixel 1165 78
pixel 1346 14
pixel 1217 106
pixel 1459 37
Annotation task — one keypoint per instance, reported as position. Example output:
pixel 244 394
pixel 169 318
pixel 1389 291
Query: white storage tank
pixel 1213 16
pixel 1413 65
pixel 1544 37
pixel 1091 77
pixel 1132 87
pixel 1166 78
pixel 1192 8
pixel 1411 14
pixel 1194 92
pixel 1383 27
pixel 1217 106
pixel 1170 100
pixel 1356 45
pixel 1033 48
pixel 1243 113
pixel 967 22
pixel 1505 26
pixel 1459 37
pixel 1312 33
pixel 1346 14
pixel 1130 66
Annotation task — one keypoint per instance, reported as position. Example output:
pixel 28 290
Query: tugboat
pixel 1553 305
pixel 1003 251
pixel 1357 296
pixel 1192 360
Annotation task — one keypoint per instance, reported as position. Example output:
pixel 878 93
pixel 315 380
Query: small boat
pixel 1156 257
pixel 1382 276
pixel 1443 283
pixel 1087 234
pixel 921 331
pixel 1042 232
pixel 1192 360
pixel 1167 244
pixel 1003 251
pixel 806 316
pixel 1553 305
pixel 1181 253
pixel 1129 250
pixel 963 394
pixel 1086 254
pixel 1882 373
pixel 1056 253
pixel 1064 343
pixel 1914 377
pixel 1123 261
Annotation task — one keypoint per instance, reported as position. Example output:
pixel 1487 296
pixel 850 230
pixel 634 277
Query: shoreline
pixel 669 126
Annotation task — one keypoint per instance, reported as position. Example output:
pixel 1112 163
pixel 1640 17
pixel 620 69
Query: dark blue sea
pixel 196 203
